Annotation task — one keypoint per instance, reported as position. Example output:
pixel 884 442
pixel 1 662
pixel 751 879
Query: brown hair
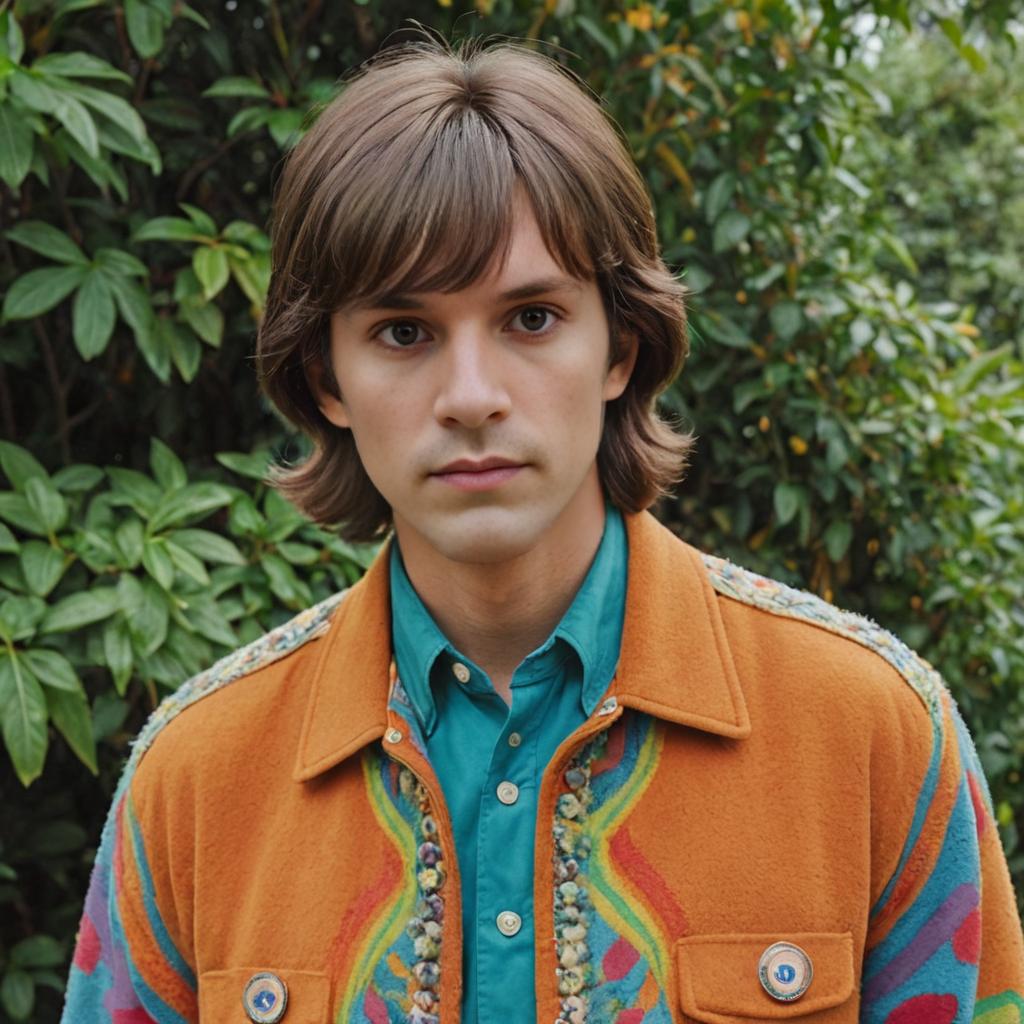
pixel 419 155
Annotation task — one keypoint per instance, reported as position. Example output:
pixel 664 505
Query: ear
pixel 618 375
pixel 326 391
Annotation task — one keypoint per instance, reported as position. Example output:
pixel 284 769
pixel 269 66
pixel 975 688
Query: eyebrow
pixel 541 286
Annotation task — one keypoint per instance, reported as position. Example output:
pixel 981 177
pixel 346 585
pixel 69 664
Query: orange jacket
pixel 764 769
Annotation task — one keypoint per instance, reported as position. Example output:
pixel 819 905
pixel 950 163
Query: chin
pixel 485 536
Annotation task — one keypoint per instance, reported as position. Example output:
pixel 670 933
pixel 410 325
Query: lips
pixel 469 466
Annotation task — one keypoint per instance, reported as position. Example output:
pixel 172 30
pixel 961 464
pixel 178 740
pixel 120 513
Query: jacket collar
pixel 675 661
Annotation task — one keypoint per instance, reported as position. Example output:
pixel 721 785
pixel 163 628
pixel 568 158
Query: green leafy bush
pixel 856 383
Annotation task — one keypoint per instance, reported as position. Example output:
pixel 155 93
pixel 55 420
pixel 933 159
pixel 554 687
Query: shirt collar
pixel 675 660
pixel 591 627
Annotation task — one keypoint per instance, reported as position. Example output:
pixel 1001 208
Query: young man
pixel 545 762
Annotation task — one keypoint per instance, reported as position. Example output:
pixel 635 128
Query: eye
pixel 403 333
pixel 533 319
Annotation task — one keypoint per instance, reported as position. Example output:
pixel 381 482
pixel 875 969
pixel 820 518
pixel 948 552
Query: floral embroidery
pixel 573 910
pixel 425 927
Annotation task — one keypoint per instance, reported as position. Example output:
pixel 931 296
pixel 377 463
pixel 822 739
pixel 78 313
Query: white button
pixel 461 672
pixel 508 792
pixel 514 739
pixel 394 736
pixel 509 922
pixel 785 971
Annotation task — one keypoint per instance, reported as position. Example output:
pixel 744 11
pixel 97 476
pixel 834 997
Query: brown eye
pixel 534 319
pixel 402 332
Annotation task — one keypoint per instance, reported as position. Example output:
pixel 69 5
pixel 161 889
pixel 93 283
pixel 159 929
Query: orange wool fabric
pixel 755 775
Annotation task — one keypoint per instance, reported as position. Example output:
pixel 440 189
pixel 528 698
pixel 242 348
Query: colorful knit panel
pixel 126 968
pixel 615 919
pixel 392 970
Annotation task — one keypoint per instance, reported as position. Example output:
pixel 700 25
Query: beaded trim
pixel 573 910
pixel 272 646
pixel 773 596
pixel 426 926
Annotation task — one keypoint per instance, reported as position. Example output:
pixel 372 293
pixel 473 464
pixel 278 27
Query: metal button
pixel 508 792
pixel 785 971
pixel 394 736
pixel 608 706
pixel 509 922
pixel 265 998
pixel 461 672
pixel 514 739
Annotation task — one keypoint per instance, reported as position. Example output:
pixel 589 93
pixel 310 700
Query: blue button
pixel 265 998
pixel 785 971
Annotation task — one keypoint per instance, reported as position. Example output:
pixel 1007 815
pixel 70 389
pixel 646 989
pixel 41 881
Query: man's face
pixel 513 367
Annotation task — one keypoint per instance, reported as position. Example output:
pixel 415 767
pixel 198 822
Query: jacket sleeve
pixel 126 967
pixel 944 941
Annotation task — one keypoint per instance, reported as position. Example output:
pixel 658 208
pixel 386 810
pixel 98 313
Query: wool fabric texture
pixel 762 768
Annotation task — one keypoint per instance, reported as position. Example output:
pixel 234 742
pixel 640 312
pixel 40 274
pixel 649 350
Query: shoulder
pixel 232 694
pixel 825 642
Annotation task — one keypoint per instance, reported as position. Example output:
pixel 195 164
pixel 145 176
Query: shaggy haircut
pixel 419 155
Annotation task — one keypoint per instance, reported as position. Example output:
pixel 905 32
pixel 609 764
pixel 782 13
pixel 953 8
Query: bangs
pixel 431 209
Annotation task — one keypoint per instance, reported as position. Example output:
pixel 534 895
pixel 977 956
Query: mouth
pixel 478 476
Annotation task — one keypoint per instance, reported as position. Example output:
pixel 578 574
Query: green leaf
pixel 81 609
pixel 12 39
pixel 186 352
pixel 79 65
pixel 246 120
pixel 188 564
pixel 16 509
pixel 47 502
pixel 787 500
pixel 167 467
pixel 37 951
pixel 8 542
pixel 93 315
pixel 18 993
pixel 79 124
pixel 42 565
pixel 205 319
pixel 200 218
pixel 899 249
pixel 24 717
pixel 973 56
pixel 980 366
pixel 838 537
pixel 16 143
pixel 211 267
pixel 730 229
pixel 168 229
pixel 40 290
pixel 117 649
pixel 145 26
pixel 719 192
pixel 236 86
pixel 47 240
pixel 70 714
pixel 142 494
pixel 148 618
pixel 118 110
pixel 52 669
pixel 190 502
pixel 284 126
pixel 209 546
pixel 157 562
pixel 78 478
pixel 121 263
pixel 130 540
pixel 19 617
pixel 599 36
pixel 20 465
pixel 786 318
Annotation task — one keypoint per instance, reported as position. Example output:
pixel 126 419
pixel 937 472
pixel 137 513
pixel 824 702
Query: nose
pixel 473 388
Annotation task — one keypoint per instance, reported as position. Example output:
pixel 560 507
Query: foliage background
pixel 837 184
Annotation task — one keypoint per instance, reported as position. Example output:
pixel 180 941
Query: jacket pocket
pixel 222 995
pixel 719 980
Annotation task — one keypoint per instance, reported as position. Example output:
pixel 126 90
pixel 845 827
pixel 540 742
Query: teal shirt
pixel 489 758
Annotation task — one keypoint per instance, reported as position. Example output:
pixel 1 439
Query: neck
pixel 498 613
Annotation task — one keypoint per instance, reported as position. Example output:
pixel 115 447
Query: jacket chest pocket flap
pixel 719 979
pixel 222 995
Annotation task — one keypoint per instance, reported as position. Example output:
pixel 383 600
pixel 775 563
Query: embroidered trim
pixel 573 908
pixel 773 596
pixel 425 928
pixel 272 646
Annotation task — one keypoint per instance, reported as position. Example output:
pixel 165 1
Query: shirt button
pixel 509 922
pixel 461 672
pixel 514 739
pixel 508 792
